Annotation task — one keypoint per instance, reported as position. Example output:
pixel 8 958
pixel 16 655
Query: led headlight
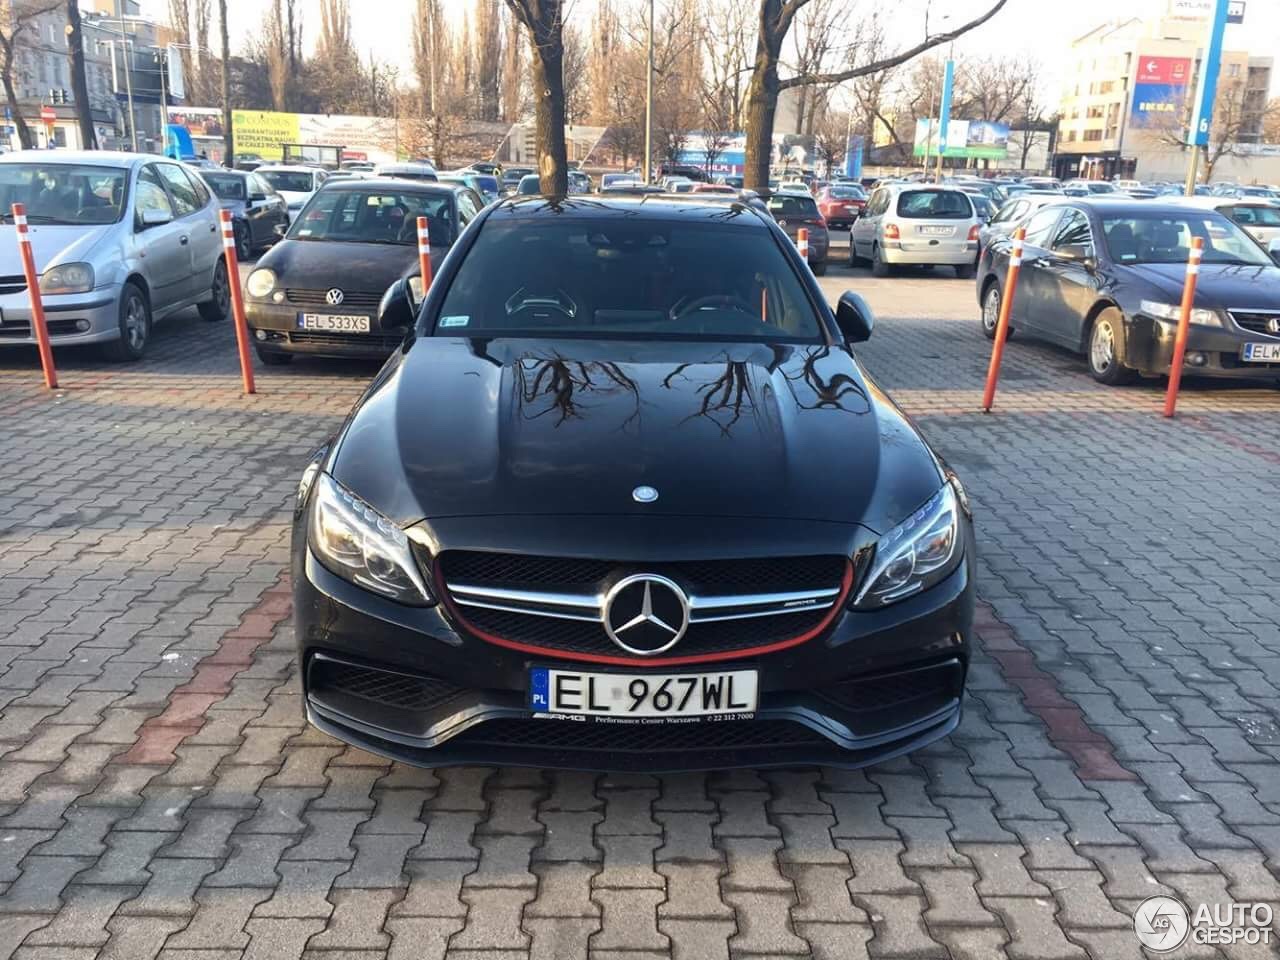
pixel 260 282
pixel 67 278
pixel 1173 312
pixel 915 554
pixel 359 544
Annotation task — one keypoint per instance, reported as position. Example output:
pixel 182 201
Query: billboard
pixel 966 139
pixel 1159 90
pixel 790 150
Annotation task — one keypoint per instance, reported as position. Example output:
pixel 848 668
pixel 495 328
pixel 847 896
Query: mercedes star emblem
pixel 644 494
pixel 645 614
pixel 333 297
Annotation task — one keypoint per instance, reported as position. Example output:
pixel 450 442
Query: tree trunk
pixel 762 106
pixel 546 70
pixel 80 85
pixel 228 140
pixel 11 96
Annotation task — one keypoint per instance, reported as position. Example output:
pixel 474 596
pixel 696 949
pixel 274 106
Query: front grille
pixel 639 738
pixel 21 329
pixel 379 686
pixel 351 299
pixel 1256 321
pixel 708 579
pixel 346 341
pixel 13 283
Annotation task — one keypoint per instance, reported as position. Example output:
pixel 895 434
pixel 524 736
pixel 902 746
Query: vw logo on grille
pixel 1273 325
pixel 645 614
pixel 333 297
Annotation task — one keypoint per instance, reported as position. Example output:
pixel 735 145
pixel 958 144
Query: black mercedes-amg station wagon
pixel 626 500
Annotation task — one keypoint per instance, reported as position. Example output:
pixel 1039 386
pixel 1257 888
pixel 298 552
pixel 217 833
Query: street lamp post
pixel 648 104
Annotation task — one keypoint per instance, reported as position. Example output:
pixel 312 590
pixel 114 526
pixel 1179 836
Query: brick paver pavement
pixel 159 796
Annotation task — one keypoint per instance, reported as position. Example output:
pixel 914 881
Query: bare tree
pixel 775 21
pixel 201 88
pixel 576 94
pixel 543 19
pixel 277 56
pixel 1232 124
pixel 487 56
pixel 79 84
pixel 606 42
pixel 18 24
pixel 725 51
pixel 1271 121
pixel 513 71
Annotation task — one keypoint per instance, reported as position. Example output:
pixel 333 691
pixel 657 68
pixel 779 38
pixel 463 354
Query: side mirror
pixel 854 317
pixel 281 229
pixel 396 311
pixel 153 218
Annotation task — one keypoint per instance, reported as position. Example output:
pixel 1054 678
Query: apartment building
pixel 1128 91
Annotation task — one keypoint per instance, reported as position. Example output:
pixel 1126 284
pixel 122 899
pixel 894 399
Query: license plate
pixel 937 231
pixel 341 323
pixel 633 696
pixel 1260 353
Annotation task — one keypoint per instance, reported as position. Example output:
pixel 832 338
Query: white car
pixel 296 183
pixel 1258 217
pixel 794 186
pixel 916 223
pixel 409 170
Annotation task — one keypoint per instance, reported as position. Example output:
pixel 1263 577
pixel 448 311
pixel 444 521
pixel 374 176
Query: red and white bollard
pixel 1184 325
pixel 424 253
pixel 237 300
pixel 802 243
pixel 1002 323
pixel 38 325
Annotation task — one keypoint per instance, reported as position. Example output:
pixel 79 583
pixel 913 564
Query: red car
pixel 841 204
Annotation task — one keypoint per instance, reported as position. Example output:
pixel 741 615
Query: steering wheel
pixel 727 301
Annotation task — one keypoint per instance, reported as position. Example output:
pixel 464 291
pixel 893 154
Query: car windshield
pixel 934 205
pixel 64 193
pixel 294 181
pixel 627 279
pixel 227 186
pixel 369 216
pixel 847 193
pixel 1095 187
pixel 1166 238
pixel 783 205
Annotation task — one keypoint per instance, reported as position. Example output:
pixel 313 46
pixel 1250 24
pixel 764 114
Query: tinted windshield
pixel 1167 239
pixel 225 185
pixel 64 193
pixel 848 193
pixel 934 205
pixel 365 216
pixel 623 278
pixel 295 182
pixel 783 205
pixel 486 184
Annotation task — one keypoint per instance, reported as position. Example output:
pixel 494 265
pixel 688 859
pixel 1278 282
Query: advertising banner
pixel 729 151
pixel 966 139
pixel 263 131
pixel 1159 90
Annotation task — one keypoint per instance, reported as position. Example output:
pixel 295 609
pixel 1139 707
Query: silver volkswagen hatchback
pixel 120 240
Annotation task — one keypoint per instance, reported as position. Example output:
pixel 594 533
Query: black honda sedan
pixel 1105 277
pixel 256 209
pixel 625 499
pixel 317 291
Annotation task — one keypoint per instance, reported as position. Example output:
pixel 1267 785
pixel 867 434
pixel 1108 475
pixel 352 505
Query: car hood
pixel 50 245
pixel 459 427
pixel 320 264
pixel 1219 285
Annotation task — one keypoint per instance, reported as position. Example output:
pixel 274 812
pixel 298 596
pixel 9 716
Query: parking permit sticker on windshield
pixel 455 321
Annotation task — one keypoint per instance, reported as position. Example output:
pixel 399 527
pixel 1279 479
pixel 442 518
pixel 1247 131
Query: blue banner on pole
pixel 944 111
pixel 1202 115
pixel 853 157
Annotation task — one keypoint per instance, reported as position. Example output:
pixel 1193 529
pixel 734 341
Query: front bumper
pixel 274 328
pixel 410 684
pixel 1211 351
pixel 92 317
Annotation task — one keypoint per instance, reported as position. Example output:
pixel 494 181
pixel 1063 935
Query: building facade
pixel 1127 95
pixel 116 37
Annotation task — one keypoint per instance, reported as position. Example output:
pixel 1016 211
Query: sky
pixel 1042 29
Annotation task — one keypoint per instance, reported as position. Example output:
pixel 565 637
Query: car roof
pixel 289 168
pixel 373 184
pixel 94 157
pixel 678 208
pixel 1125 204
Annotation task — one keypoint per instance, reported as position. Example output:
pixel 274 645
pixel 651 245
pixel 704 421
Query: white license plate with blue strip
pixel 642 696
